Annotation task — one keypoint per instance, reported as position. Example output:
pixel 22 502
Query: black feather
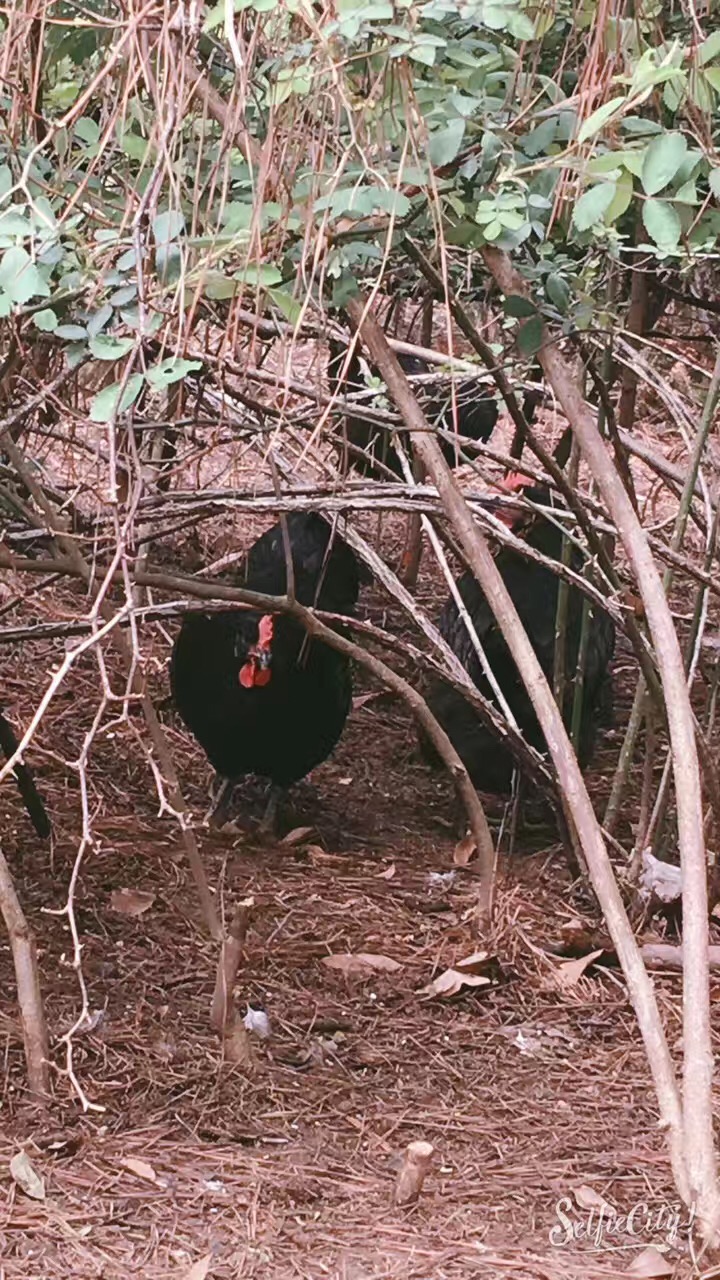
pixel 26 785
pixel 477 412
pixel 285 728
pixel 534 592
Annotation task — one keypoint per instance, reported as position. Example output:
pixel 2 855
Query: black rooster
pixel 477 412
pixel 26 786
pixel 257 692
pixel 534 591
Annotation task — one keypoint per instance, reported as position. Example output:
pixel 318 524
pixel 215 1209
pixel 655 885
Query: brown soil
pixel 530 1090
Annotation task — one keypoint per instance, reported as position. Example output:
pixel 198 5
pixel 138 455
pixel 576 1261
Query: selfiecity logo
pixel 607 1228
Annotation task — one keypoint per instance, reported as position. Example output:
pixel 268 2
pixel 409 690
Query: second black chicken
pixel 25 781
pixel 366 444
pixel 534 592
pixel 259 695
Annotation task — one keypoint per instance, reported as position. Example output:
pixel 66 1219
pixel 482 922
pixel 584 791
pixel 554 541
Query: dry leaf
pixel 473 963
pixel 199 1269
pixel 140 1168
pixel 361 964
pixel 587 1198
pixel 296 836
pixel 131 902
pixel 464 850
pixel 388 873
pixel 26 1178
pixel 661 879
pixel 576 933
pixel 571 971
pixel 363 699
pixel 452 981
pixel 650 1263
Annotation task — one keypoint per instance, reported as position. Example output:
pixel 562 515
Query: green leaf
pixel 633 160
pixel 593 205
pixel 686 194
pixel 712 75
pixel 599 118
pixel 444 144
pixel 520 26
pixel 623 195
pixel 286 304
pixel 87 130
pixel 216 16
pixel 12 223
pixel 674 94
pixel 518 307
pixel 5 306
pixel 147 324
pixel 701 90
pixel 75 353
pixel 97 320
pixel 662 223
pixel 530 337
pixel 20 278
pixel 495 17
pixel 493 229
pixel 6 180
pixel 113 400
pixel 663 158
pixel 133 146
pixel 558 292
pixel 121 297
pixel 219 287
pixel 71 332
pixel 105 347
pixel 168 226
pixel 709 48
pixel 169 371
pixel 714 182
pixel 46 320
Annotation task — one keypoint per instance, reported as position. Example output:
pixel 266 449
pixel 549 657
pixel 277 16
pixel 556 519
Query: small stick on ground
pixel 32 1014
pixel 224 1017
pixel 412 1175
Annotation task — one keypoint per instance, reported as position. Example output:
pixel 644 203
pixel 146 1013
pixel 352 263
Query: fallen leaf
pixel 576 933
pixel 257 1022
pixel 650 1263
pixel 588 1198
pixel 452 981
pixel 388 873
pixel 140 1168
pixel 360 964
pixel 473 963
pixel 296 836
pixel 363 699
pixel 131 902
pixel 199 1269
pixel 661 879
pixel 440 879
pixel 571 971
pixel 464 850
pixel 344 782
pixel 26 1178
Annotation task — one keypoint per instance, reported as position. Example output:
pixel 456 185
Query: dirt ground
pixel 532 1087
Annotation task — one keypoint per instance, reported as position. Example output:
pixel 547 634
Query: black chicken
pixel 26 786
pixel 534 591
pixel 257 692
pixel 477 412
